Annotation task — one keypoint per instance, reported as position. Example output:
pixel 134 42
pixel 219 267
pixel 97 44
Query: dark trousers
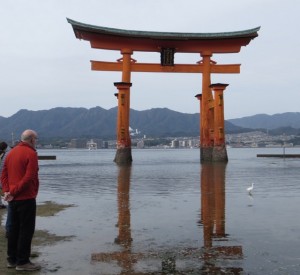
pixel 8 219
pixel 21 230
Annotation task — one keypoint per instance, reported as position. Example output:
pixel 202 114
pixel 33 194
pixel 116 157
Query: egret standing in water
pixel 250 189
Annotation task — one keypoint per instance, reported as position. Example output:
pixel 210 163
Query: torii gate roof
pixel 148 41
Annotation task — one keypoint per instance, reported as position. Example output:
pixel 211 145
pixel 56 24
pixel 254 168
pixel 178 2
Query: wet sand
pixel 41 238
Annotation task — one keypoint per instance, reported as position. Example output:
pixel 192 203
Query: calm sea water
pixel 168 213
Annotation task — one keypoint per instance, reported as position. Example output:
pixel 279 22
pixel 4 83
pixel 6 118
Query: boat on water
pixel 91 145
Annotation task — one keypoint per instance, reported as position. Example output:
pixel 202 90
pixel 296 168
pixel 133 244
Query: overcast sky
pixel 44 66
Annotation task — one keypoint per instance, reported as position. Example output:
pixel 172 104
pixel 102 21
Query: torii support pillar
pixel 219 153
pixel 199 97
pixel 123 154
pixel 212 126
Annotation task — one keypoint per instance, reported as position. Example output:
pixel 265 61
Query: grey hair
pixel 27 135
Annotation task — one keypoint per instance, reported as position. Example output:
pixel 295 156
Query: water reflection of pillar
pixel 126 259
pixel 213 201
pixel 207 203
pixel 219 185
pixel 213 221
pixel 124 237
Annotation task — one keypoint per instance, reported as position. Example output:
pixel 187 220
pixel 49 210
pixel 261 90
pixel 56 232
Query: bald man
pixel 20 186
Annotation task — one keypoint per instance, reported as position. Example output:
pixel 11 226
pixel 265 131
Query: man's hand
pixel 8 197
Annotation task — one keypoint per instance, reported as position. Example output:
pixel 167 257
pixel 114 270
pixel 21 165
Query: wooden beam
pixel 225 69
pixel 157 68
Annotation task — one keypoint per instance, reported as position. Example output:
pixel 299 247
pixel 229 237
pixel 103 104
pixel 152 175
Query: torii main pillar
pixel 206 143
pixel 123 154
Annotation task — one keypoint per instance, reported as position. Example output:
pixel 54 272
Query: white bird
pixel 250 189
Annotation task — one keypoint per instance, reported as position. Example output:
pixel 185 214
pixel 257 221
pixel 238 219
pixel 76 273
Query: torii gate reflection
pixel 212 221
pixel 212 142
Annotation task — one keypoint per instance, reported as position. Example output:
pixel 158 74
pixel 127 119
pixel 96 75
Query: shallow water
pixel 167 213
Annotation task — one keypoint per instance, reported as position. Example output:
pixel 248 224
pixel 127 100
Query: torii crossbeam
pixel 212 141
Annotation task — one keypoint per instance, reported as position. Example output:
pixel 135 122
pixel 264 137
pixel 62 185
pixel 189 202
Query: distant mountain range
pixel 285 123
pixel 67 123
pixel 268 121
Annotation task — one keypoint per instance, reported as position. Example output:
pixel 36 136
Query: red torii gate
pixel 212 137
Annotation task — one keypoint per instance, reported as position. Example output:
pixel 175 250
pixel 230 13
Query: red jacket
pixel 20 172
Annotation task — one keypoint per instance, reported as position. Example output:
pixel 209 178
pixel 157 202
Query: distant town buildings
pixel 91 144
pixel 175 143
pixel 140 141
pixel 140 144
pixel 258 139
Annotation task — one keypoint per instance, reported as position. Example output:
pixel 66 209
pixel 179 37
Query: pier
pixel 278 155
pixel 46 157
